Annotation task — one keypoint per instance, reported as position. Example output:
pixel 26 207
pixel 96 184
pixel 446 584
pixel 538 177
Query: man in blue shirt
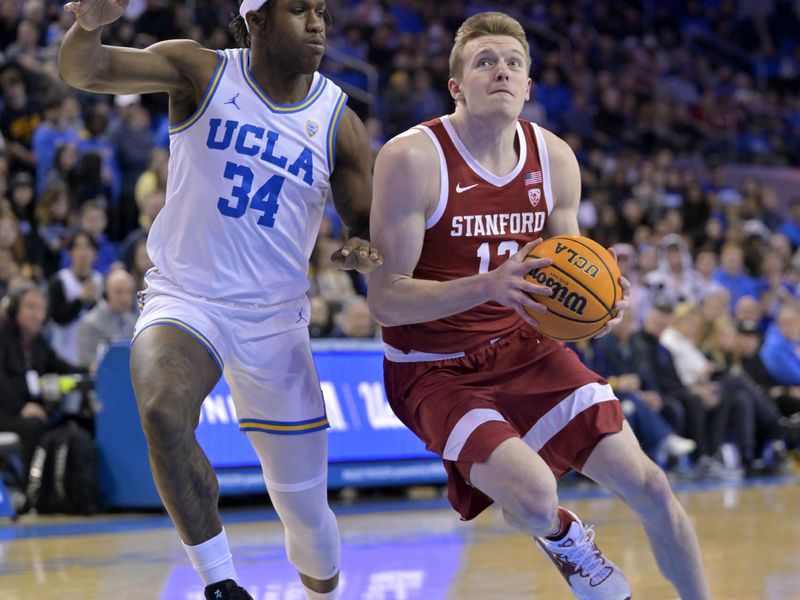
pixel 732 275
pixel 780 352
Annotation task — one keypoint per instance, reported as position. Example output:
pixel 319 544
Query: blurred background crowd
pixel 685 117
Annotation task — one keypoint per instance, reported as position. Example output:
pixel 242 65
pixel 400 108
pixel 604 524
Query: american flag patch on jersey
pixel 533 177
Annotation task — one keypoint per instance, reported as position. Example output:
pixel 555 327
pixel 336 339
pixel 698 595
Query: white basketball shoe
pixel 590 575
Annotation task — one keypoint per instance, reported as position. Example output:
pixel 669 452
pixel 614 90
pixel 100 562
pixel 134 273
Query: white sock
pixel 212 559
pixel 312 595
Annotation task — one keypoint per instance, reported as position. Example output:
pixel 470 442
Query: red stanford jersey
pixel 480 221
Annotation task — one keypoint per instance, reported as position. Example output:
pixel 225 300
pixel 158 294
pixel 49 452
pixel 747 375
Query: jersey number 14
pixel 264 200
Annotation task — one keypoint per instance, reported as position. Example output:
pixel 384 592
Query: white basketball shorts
pixel 263 351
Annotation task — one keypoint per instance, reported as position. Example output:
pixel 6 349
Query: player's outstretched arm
pixel 351 182
pixel 405 191
pixel 83 62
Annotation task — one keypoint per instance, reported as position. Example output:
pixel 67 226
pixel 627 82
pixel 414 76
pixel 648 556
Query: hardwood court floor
pixel 408 551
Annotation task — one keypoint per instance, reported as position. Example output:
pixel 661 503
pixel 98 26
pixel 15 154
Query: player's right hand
pixel 92 14
pixel 507 284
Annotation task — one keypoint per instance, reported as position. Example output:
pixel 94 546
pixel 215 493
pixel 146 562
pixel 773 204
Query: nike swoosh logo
pixel 460 189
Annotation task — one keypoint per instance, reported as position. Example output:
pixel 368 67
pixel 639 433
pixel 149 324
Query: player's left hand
pixel 620 305
pixel 357 254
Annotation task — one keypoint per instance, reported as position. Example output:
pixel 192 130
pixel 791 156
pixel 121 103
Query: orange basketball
pixel 584 278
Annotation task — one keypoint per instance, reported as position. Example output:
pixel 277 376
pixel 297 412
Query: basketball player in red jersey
pixel 509 410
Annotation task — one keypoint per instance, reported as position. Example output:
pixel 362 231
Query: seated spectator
pixel 791 227
pixel 681 340
pixel 10 238
pixel 731 273
pixel 93 219
pixel 91 181
pixel 354 320
pixel 640 407
pixel 611 357
pixel 773 433
pixel 51 133
pixel 9 268
pixel 716 303
pixel 705 411
pixel 54 221
pixel 150 208
pixel 781 349
pixel 96 141
pixel 19 117
pixel 112 318
pixel 154 178
pixel 74 290
pixel 319 325
pixel 675 277
pixel 748 346
pixel 749 309
pixel 22 196
pixel 706 262
pixel 626 260
pixel 327 280
pixel 751 415
pixel 776 287
pixel 138 263
pixel 25 356
pixel 65 166
pixel 133 141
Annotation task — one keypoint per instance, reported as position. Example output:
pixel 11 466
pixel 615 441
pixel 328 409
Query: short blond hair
pixel 483 24
pixel 684 310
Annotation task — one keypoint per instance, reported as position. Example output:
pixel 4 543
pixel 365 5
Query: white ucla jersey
pixel 248 179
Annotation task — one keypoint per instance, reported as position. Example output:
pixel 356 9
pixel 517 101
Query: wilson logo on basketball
pixel 578 261
pixel 583 281
pixel 572 301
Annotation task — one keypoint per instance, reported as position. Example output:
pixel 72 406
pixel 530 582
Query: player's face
pixel 297 30
pixel 494 77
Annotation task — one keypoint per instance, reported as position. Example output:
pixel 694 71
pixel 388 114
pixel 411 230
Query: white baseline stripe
pixel 562 413
pixel 464 428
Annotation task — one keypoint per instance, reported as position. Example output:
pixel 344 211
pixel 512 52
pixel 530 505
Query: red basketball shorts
pixel 523 385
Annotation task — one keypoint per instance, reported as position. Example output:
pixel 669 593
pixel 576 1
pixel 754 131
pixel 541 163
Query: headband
pixel 249 5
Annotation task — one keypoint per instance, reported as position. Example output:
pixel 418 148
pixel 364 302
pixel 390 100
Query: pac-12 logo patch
pixel 312 128
pixel 534 195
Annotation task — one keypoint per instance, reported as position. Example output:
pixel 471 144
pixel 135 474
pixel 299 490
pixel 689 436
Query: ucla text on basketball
pixel 581 262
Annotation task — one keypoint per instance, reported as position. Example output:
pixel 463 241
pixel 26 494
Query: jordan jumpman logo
pixel 233 101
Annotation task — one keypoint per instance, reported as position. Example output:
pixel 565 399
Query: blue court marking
pixel 110 524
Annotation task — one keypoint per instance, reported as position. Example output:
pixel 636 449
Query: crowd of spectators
pixel 659 100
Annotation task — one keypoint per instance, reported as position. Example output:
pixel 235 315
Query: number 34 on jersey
pixel 250 140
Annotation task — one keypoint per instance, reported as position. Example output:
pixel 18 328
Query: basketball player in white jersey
pixel 254 139
pixel 508 409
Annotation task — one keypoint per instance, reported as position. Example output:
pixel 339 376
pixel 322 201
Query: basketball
pixel 584 278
